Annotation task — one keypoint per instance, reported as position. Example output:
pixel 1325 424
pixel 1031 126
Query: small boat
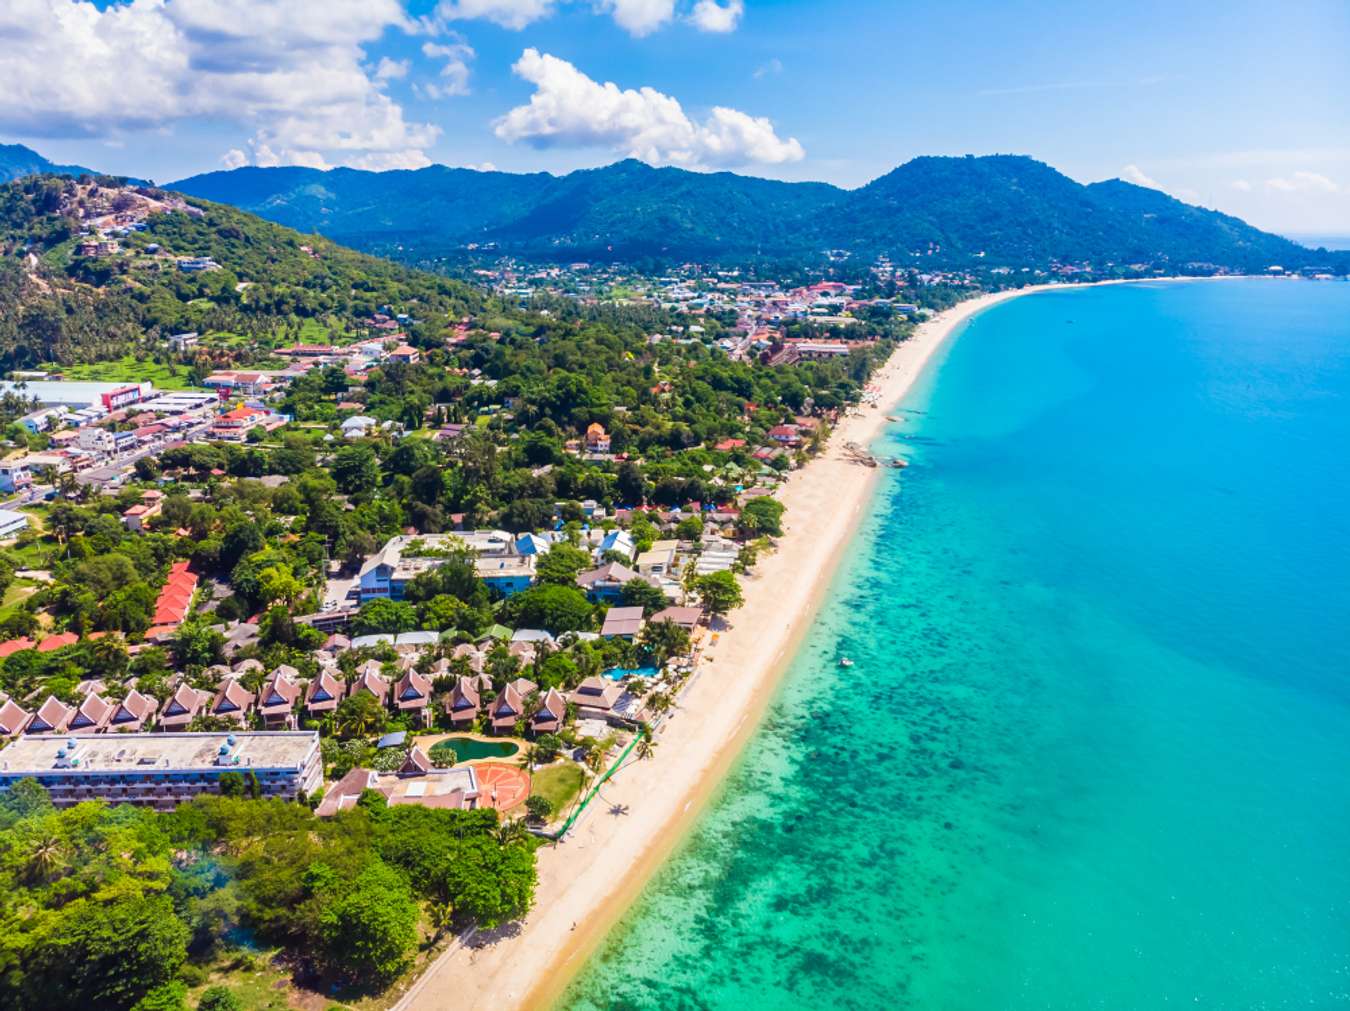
pixel 845 662
pixel 899 463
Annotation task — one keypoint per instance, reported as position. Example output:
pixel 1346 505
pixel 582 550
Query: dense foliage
pixel 100 905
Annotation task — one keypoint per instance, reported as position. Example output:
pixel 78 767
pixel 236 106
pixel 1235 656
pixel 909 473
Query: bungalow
pixel 461 705
pixel 232 702
pixel 92 716
pixel 506 709
pixel 595 697
pixel 786 435
pixel 133 712
pixel 622 623
pixel 182 708
pixel 605 584
pixel 52 717
pixel 13 718
pixel 373 683
pixel 549 717
pixel 406 354
pixel 324 693
pixel 686 618
pixel 412 695
pixel 276 701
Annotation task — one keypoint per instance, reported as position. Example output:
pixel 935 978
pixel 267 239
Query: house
pixel 132 713
pixel 406 354
pixel 412 694
pixel 686 618
pixel 369 681
pixel 657 562
pixel 137 516
pixel 461 705
pixel 505 710
pixel 92 716
pixel 232 702
pixel 176 595
pixel 620 542
pixel 182 708
pixel 12 523
pixel 52 717
pixel 13 718
pixel 597 439
pixel 605 584
pixel 276 701
pixel 387 572
pixel 622 623
pixel 595 697
pixel 324 693
pixel 14 477
pixel 549 717
pixel 506 576
pixel 786 435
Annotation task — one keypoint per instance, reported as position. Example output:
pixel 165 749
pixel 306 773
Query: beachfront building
pixel 416 782
pixel 162 770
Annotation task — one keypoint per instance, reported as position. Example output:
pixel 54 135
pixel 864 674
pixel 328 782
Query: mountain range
pixel 992 210
pixel 996 210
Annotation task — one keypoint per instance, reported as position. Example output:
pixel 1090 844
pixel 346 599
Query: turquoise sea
pixel 1095 750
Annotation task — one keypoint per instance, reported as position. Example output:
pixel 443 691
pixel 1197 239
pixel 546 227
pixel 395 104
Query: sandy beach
pixel 588 881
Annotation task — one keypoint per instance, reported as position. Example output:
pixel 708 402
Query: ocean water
pixel 1095 748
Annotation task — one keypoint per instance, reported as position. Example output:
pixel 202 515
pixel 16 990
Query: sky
pixel 1240 106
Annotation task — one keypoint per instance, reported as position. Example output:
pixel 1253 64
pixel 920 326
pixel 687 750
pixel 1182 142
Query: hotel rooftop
pixel 124 753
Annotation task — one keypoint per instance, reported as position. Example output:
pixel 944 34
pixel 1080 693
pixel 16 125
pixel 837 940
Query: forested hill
pixel 17 161
pixel 89 270
pixel 1011 209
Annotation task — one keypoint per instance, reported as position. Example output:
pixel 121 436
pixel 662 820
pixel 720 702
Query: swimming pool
pixel 619 673
pixel 468 749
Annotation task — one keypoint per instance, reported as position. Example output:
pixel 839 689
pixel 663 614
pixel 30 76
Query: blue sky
pixel 1240 106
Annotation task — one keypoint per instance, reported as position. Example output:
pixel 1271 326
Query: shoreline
pixel 590 880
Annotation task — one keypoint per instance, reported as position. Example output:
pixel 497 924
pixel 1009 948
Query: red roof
pixel 172 605
pixel 57 641
pixel 15 645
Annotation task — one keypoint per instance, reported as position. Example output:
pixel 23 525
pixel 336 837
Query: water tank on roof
pixel 224 749
pixel 230 740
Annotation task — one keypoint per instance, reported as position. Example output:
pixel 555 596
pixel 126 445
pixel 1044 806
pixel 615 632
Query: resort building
pixel 461 705
pixel 622 623
pixel 417 782
pixel 403 558
pixel 162 770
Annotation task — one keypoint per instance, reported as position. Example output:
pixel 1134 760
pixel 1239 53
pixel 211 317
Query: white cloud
pixel 711 16
pixel 1134 174
pixel 1303 182
pixel 569 109
pixel 234 158
pixel 639 17
pixel 768 68
pixel 454 71
pixel 1241 185
pixel 293 74
pixel 391 70
pixel 515 14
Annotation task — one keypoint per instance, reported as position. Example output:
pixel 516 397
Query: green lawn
pixel 128 370
pixel 558 784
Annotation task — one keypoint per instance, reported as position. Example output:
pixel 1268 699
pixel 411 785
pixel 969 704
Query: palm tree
pixel 646 747
pixel 442 915
pixel 46 860
pixel 511 831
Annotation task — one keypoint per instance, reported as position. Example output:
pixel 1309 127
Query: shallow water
pixel 1093 752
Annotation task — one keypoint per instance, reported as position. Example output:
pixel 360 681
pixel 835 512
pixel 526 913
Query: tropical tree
pixel 358 715
pixel 719 592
